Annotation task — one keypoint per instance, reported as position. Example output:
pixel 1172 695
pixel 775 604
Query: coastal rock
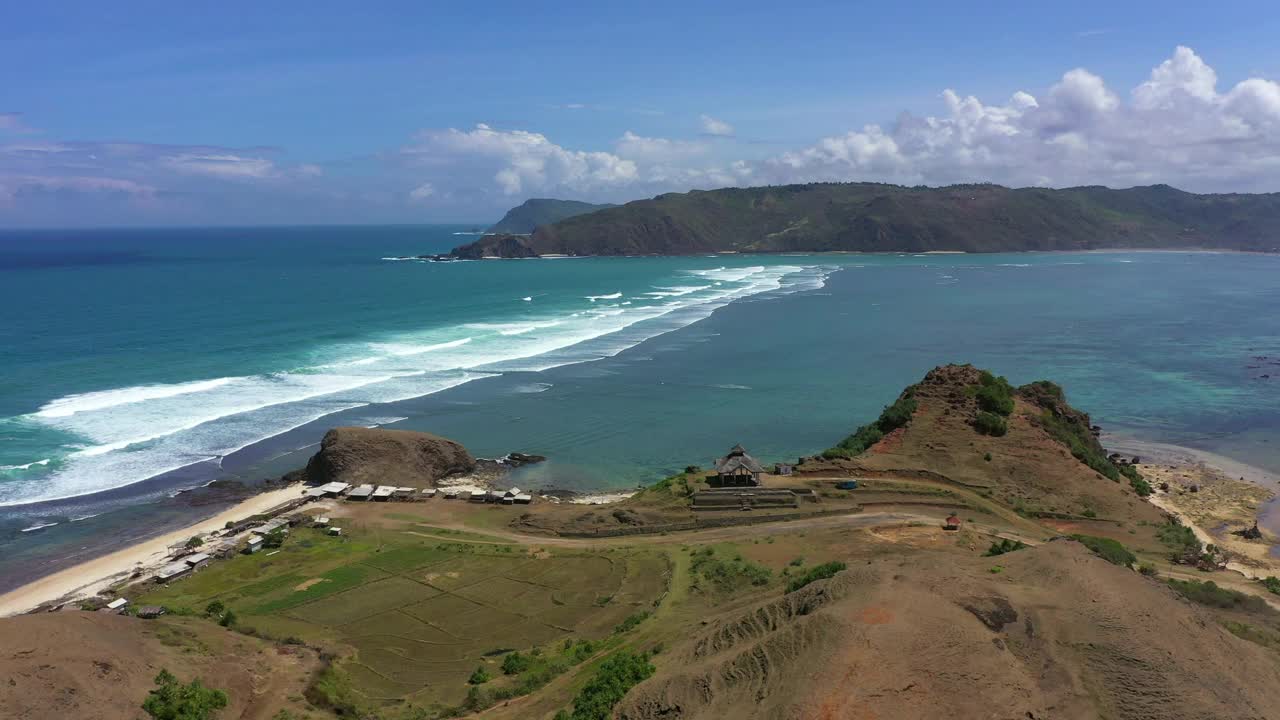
pixel 386 457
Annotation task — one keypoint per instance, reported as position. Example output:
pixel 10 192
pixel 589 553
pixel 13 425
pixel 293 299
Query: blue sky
pixel 165 113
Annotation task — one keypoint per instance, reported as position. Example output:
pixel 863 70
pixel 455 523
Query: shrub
pixel 1107 549
pixel 1272 584
pixel 515 663
pixel 228 619
pixel 1186 547
pixel 1004 545
pixel 214 608
pixel 274 539
pixel 891 418
pixel 991 424
pixel 1080 442
pixel 171 700
pixel 631 621
pixel 995 399
pixel 193 542
pixel 730 573
pixel 1148 569
pixel 480 676
pixel 987 457
pixel 617 674
pixel 817 572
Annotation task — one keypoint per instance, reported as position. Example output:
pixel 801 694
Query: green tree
pixel 215 608
pixel 480 676
pixel 171 700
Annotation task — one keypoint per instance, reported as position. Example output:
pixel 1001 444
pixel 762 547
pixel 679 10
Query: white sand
pixel 86 579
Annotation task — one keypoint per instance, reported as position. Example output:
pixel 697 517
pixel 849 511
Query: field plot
pixel 419 614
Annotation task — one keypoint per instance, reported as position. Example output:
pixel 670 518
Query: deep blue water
pixel 207 353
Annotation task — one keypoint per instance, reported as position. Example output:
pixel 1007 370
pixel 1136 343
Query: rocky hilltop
pixel 542 211
pixel 872 217
pixel 386 457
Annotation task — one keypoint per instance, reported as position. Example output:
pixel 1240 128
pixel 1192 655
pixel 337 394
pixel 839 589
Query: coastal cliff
pixel 873 217
pixel 535 212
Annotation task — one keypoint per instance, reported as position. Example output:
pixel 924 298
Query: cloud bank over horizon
pixel 1176 127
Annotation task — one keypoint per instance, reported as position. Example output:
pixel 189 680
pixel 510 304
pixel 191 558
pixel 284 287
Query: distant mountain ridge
pixel 873 217
pixel 532 213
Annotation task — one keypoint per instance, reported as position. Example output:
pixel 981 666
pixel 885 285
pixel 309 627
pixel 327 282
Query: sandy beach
pixel 88 578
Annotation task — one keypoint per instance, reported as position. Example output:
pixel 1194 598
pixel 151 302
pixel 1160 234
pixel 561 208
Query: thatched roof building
pixel 737 469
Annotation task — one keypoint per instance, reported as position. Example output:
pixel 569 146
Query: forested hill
pixel 874 217
pixel 540 211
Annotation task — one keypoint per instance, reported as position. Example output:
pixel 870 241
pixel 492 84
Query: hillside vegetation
pixel 873 217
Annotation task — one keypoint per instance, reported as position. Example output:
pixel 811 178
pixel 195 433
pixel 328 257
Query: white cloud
pixel 656 150
pixel 422 192
pixel 222 165
pixel 712 126
pixel 1176 128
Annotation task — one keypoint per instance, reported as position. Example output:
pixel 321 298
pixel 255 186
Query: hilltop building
pixel 737 469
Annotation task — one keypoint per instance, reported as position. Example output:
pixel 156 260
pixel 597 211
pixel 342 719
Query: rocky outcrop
pixel 489 246
pixel 386 457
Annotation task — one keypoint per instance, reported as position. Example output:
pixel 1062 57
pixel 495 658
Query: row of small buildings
pixel 385 493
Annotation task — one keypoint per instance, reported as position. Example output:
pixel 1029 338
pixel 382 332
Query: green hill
pixel 541 211
pixel 872 217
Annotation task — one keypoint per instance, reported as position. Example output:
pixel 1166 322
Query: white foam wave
pixel 405 350
pixel 85 402
pixel 38 526
pixel 28 466
pixel 611 296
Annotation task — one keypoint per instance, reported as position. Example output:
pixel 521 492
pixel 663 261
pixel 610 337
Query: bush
pixel 987 457
pixel 193 542
pixel 1004 545
pixel 515 663
pixel 228 619
pixel 1186 547
pixel 995 399
pixel 1136 481
pixel 891 418
pixel 1272 584
pixel 990 424
pixel 817 572
pixel 480 676
pixel 631 622
pixel 1148 569
pixel 214 608
pixel 171 700
pixel 1080 442
pixel 618 674
pixel 1107 549
pixel 274 539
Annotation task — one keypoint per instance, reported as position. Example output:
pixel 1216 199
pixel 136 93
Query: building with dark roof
pixel 737 469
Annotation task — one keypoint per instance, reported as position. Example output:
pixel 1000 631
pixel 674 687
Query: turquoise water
pixel 138 363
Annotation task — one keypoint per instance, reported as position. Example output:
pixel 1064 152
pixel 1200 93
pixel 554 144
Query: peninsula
pixel 873 217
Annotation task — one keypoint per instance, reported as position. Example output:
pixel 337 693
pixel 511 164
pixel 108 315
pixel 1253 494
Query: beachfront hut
pixel 737 469
pixel 197 560
pixel 495 496
pixel 427 493
pixel 335 531
pixel 522 499
pixel 953 522
pixel 383 492
pixel 117 604
pixel 783 469
pixel 334 489
pixel 172 571
pixel 404 493
pixel 361 492
pixel 478 496
pixel 254 544
pixel 449 494
pixel 320 521
pixel 314 493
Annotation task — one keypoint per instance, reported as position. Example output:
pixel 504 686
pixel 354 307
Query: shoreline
pixel 90 577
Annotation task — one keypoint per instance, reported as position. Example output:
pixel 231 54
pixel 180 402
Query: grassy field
pixel 412 615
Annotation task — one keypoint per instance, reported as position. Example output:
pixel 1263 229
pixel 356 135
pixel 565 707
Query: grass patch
pixel 727 573
pixel 1211 594
pixel 336 580
pixel 817 572
pixel 1107 549
pixel 1004 545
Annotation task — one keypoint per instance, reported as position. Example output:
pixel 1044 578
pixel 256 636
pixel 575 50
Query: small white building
pixel 335 531
pixel 117 604
pixel 320 521
pixel 334 489
pixel 522 499
pixel 449 494
pixel 478 496
pixel 428 493
pixel 383 492
pixel 362 492
pixel 254 544
pixel 314 493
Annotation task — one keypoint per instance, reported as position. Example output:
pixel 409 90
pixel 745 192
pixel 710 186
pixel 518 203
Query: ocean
pixel 138 363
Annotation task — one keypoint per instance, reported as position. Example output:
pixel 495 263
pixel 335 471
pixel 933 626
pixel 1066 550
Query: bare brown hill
pixel 1029 468
pixel 95 665
pixel 1054 632
pixel 388 457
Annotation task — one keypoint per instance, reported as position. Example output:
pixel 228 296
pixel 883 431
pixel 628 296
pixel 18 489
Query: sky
pixel 153 114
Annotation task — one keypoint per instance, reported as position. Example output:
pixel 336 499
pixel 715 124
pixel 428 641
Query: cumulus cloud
pixel 422 192
pixel 719 128
pixel 1176 127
